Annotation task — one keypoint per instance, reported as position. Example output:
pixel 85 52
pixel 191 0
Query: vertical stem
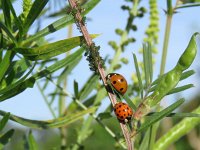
pixel 165 45
pixel 46 100
pixel 101 70
pixel 163 60
pixel 62 106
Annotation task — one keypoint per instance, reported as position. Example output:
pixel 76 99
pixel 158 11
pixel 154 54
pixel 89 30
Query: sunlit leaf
pixel 88 87
pixel 55 123
pixel 161 115
pixel 53 49
pixel 34 12
pixel 66 20
pixel 4 120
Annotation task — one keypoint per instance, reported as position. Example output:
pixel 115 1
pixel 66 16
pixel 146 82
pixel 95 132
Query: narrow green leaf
pixel 88 87
pixel 7 31
pixel 13 86
pixel 175 115
pixel 145 141
pixel 5 138
pixel 6 13
pixel 180 89
pixel 18 89
pixel 76 93
pixel 138 75
pixel 146 65
pixel 4 120
pixel 129 101
pixel 68 69
pixel 34 12
pixel 5 63
pixel 55 123
pixel 188 5
pixel 161 114
pixel 187 74
pixel 22 84
pixel 59 64
pixel 16 70
pixel 52 49
pixel 90 101
pixel 85 131
pixel 16 19
pixel 32 142
pixel 150 61
pixel 68 19
pixel 104 115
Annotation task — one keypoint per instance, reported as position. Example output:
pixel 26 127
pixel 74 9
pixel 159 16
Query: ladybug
pixel 118 82
pixel 123 112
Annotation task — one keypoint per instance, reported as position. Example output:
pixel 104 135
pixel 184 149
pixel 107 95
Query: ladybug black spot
pixel 122 117
pixel 114 82
pixel 121 89
pixel 119 111
pixel 120 106
pixel 122 80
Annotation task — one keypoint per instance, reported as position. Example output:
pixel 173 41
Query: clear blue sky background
pixel 106 17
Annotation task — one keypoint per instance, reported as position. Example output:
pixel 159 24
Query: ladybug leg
pixel 126 120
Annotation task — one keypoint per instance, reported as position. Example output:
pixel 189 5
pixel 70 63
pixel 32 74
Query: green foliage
pixel 27 58
pixel 5 137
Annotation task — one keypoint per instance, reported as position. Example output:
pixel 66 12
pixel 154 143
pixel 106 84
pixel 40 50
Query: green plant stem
pixel 46 100
pixel 177 131
pixel 85 108
pixel 163 59
pixel 5 63
pixel 62 106
pixel 165 45
pixel 101 70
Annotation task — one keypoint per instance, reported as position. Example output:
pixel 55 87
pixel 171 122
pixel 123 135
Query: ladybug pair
pixel 122 110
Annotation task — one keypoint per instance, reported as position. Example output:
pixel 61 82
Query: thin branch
pixel 77 101
pixel 101 70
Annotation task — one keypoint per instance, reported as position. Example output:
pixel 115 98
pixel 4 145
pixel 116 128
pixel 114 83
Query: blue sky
pixel 105 18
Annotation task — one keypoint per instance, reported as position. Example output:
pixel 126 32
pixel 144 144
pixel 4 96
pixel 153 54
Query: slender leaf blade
pixel 7 31
pixel 138 75
pixel 6 13
pixel 162 114
pixel 4 120
pixel 88 87
pixel 5 138
pixel 55 123
pixel 66 20
pixel 32 142
pixel 146 64
pixel 53 49
pixel 34 12
pixel 180 89
pixel 21 85
pixel 76 93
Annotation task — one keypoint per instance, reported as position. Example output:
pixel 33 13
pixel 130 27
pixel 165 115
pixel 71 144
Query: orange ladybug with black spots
pixel 118 82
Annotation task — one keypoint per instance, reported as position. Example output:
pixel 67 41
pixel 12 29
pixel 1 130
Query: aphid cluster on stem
pixel 93 56
pixel 74 11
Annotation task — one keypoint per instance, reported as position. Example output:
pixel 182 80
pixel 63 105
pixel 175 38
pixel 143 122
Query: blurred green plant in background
pixel 29 59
